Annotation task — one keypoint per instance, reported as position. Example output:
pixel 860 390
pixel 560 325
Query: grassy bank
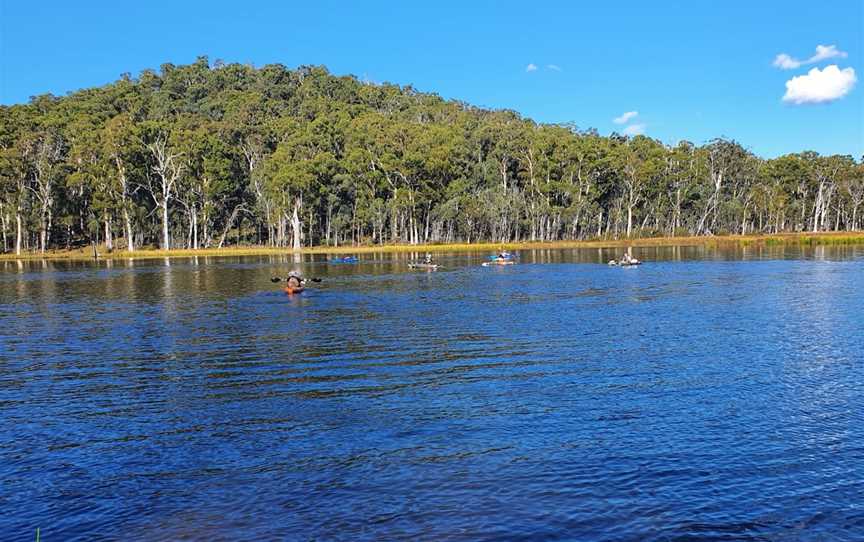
pixel 806 239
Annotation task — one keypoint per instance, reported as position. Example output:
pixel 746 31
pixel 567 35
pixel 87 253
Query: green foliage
pixel 281 154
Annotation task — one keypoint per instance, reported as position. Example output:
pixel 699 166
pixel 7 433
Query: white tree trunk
pixel 194 229
pixel 166 241
pixel 629 220
pixel 124 185
pixel 18 233
pixel 295 225
pixel 3 218
pixel 168 168
pixel 130 244
pixel 109 242
pixel 711 205
pixel 817 206
pixel 43 234
pixel 205 223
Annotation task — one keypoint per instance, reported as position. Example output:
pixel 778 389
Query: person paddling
pixel 627 259
pixel 295 279
pixel 428 260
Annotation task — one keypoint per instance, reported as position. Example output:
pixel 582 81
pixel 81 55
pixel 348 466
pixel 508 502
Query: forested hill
pixel 203 155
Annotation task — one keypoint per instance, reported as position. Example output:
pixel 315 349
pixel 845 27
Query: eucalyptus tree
pixel 166 166
pixel 725 159
pixel 539 166
pixel 89 182
pixel 372 155
pixel 124 152
pixel 245 123
pixel 853 185
pixel 220 189
pixel 14 191
pixel 685 165
pixel 586 161
pixel 13 177
pixel 43 153
pixel 640 163
pixel 826 171
pixel 290 172
pixel 208 182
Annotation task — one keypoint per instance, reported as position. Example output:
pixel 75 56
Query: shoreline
pixel 782 239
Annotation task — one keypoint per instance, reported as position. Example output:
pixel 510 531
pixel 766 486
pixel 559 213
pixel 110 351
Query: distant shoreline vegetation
pixel 788 239
pixel 208 156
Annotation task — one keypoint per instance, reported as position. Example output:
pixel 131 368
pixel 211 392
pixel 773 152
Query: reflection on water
pixel 708 395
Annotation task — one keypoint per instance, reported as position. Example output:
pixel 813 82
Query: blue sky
pixel 691 69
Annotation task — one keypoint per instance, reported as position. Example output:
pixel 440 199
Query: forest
pixel 211 155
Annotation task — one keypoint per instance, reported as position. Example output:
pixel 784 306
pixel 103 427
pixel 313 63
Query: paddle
pixel 280 279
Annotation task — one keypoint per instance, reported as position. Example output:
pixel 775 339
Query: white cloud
pixel 820 86
pixel 635 129
pixel 531 67
pixel 827 51
pixel 623 119
pixel 823 52
pixel 786 62
pixel 554 67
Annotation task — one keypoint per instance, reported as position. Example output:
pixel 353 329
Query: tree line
pixel 205 155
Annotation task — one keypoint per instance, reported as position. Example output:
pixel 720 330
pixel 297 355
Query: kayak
pixel 498 262
pixel 622 264
pixel 291 290
pixel 429 266
pixel 346 259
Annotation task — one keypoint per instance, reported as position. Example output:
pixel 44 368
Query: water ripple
pixel 704 396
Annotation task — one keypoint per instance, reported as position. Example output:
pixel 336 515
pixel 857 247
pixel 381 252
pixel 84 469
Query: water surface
pixel 707 395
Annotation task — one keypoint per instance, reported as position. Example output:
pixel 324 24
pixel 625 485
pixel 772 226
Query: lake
pixel 710 394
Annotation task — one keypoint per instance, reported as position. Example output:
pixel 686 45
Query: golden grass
pixel 828 238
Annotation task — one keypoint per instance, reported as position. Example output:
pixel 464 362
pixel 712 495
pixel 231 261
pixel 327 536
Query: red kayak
pixel 291 290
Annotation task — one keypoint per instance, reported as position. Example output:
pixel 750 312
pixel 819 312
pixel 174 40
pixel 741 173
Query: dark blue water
pixel 704 396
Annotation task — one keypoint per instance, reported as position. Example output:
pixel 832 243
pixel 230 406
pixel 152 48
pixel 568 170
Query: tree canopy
pixel 206 155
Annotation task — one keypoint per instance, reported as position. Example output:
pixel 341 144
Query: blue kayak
pixel 345 259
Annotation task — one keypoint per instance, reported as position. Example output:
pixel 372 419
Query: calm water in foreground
pixel 707 395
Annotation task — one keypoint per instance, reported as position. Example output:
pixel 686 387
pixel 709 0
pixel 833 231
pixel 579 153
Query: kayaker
pixel 295 279
pixel 428 260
